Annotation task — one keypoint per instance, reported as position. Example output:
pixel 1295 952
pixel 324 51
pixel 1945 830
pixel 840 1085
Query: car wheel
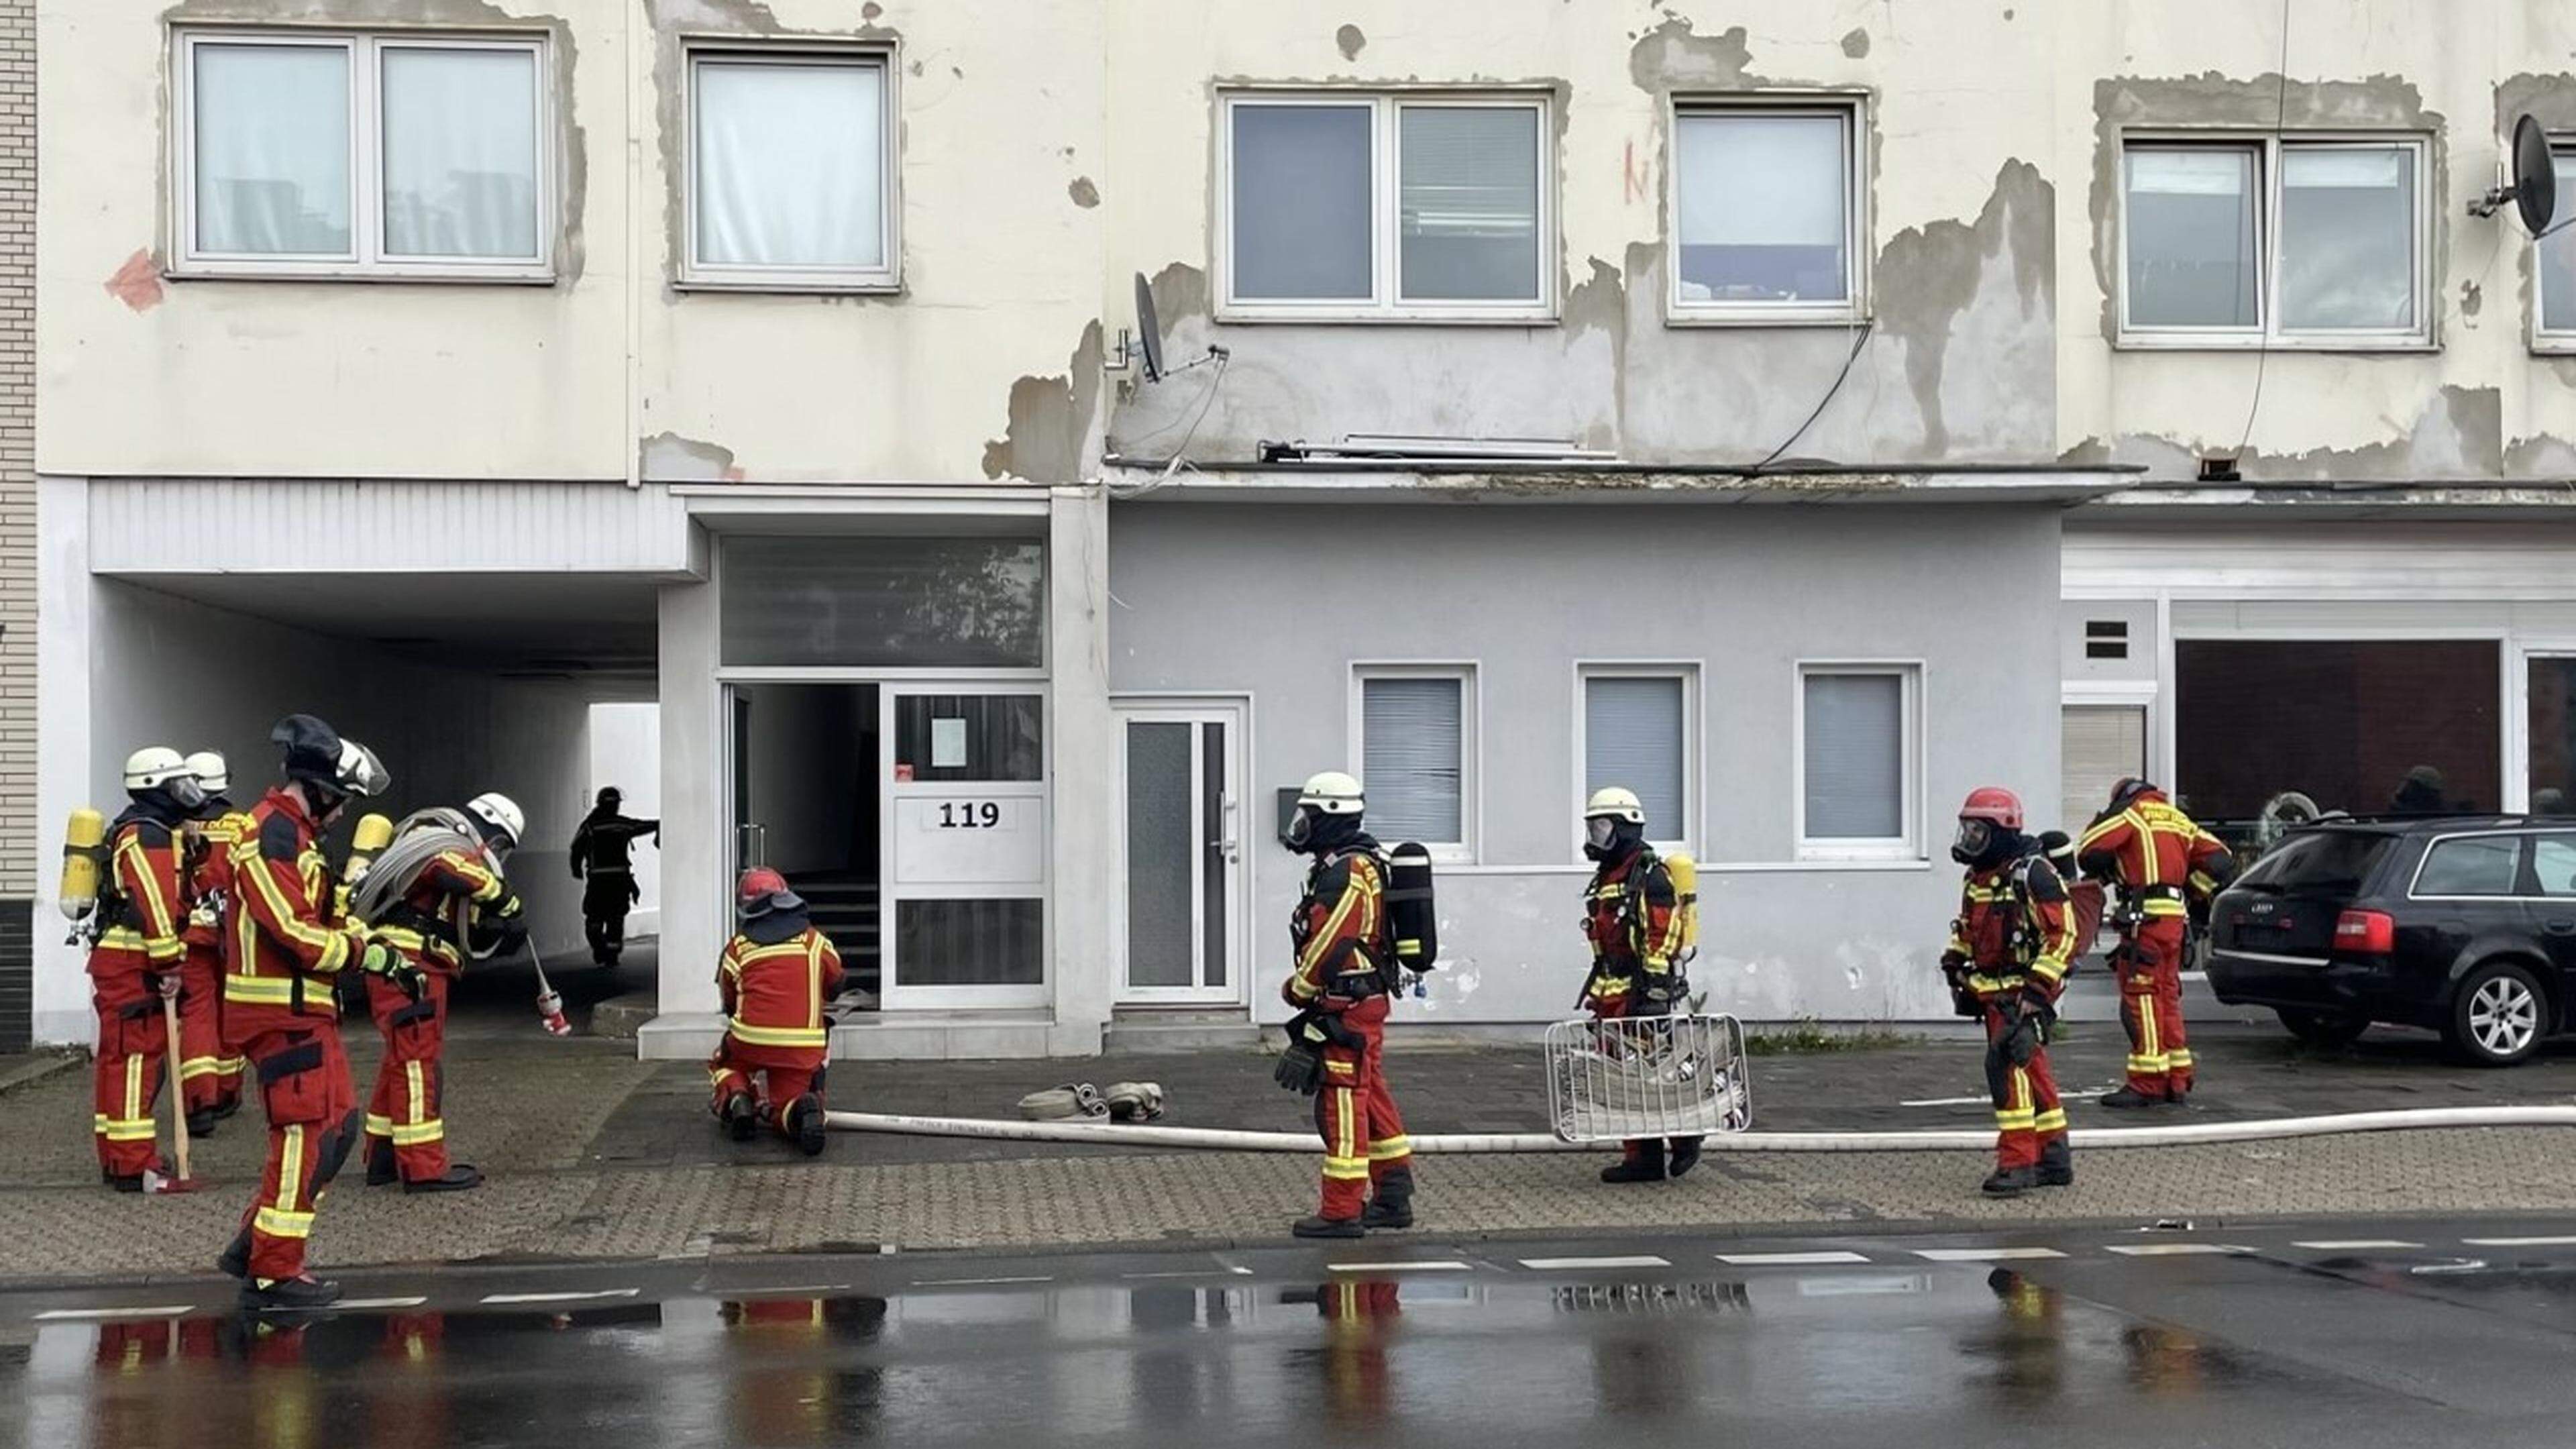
pixel 2323 1028
pixel 2498 1015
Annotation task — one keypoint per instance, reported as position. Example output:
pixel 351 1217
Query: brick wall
pixel 18 826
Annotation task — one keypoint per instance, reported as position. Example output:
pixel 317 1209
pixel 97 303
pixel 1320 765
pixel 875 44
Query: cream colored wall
pixel 1001 113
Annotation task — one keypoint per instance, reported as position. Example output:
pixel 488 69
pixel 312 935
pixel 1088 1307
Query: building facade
pixel 1799 419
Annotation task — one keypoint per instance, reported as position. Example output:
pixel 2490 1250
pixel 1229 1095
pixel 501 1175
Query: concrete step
pixel 1180 1030
pixel 622 1016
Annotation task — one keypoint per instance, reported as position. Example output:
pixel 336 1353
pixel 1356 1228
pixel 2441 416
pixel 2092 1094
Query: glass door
pixel 964 830
pixel 1183 856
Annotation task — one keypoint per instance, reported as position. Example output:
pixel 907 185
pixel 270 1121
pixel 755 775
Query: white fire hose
pixel 1214 1139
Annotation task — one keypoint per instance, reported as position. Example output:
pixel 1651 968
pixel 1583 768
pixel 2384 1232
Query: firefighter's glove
pixel 1963 1001
pixel 383 960
pixel 165 985
pixel 507 908
pixel 1301 1065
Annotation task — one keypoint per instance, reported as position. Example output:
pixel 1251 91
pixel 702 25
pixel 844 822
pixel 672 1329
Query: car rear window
pixel 2323 863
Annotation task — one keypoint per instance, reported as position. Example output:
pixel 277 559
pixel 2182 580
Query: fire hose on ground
pixel 2193 1134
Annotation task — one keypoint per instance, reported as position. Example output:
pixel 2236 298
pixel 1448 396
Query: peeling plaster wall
pixel 1961 241
pixel 2478 407
pixel 1001 140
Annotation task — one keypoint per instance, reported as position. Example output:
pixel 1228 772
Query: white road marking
pixel 785 1290
pixel 2172 1250
pixel 2557 1242
pixel 2355 1245
pixel 508 1298
pixel 973 1282
pixel 65 1315
pixel 355 1304
pixel 1551 1265
pixel 1789 1260
pixel 1184 1273
pixel 1984 1255
pixel 1987 1101
pixel 1436 1266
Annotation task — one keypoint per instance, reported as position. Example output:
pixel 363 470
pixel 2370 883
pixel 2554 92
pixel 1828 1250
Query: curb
pixel 38 1066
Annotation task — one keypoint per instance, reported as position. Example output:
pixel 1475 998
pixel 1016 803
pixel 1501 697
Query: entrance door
pixel 965 845
pixel 1183 853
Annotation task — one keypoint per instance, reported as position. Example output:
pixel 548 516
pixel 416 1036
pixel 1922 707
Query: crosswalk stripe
pixel 1789 1260
pixel 1984 1255
pixel 2551 1242
pixel 973 1282
pixel 64 1315
pixel 2171 1250
pixel 1550 1265
pixel 359 1304
pixel 1399 1267
pixel 2353 1245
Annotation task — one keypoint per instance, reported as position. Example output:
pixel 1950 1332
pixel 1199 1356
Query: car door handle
pixel 2559 928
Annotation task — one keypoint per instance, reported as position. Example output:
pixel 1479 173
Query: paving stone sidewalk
pixel 593 1154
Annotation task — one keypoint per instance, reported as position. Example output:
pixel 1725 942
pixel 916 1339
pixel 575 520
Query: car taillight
pixel 2374 932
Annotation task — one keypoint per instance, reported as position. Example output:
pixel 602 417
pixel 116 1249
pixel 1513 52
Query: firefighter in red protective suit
pixel 458 903
pixel 1632 917
pixel 2162 861
pixel 776 976
pixel 137 958
pixel 2007 962
pixel 210 1075
pixel 284 947
pixel 1345 966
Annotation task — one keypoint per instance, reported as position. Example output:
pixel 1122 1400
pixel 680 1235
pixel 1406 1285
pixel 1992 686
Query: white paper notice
pixel 948 744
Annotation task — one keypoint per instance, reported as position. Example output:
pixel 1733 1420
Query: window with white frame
pixel 1351 206
pixel 1416 728
pixel 2557 263
pixel 791 170
pixel 310 153
pixel 2304 241
pixel 1766 211
pixel 1637 733
pixel 1858 744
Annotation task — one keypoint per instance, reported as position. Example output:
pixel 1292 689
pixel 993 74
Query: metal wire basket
pixel 1652 1076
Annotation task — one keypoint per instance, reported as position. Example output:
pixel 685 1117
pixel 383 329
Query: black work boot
pixel 201 1123
pixel 227 1106
pixel 2129 1098
pixel 235 1262
pixel 381 1169
pixel 741 1116
pixel 459 1177
pixel 121 1181
pixel 2056 1165
pixel 288 1295
pixel 1685 1156
pixel 805 1124
pixel 1392 1207
pixel 1644 1163
pixel 1324 1227
pixel 2010 1181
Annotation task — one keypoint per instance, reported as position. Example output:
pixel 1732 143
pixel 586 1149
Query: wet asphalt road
pixel 2353 1334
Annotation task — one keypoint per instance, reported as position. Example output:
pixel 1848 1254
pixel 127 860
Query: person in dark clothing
pixel 600 860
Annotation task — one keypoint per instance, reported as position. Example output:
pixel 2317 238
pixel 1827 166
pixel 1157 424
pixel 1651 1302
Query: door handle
pixel 2559 927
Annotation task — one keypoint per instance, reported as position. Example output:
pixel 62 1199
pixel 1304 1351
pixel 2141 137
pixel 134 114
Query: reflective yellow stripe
pixel 1388 1148
pixel 1346 1169
pixel 415 1133
pixel 2017 1121
pixel 134 1104
pixel 379 1126
pixel 778 1036
pixel 195 1067
pixel 2053 1120
pixel 290 1175
pixel 269 990
pixel 279 1223
pixel 2178 1057
pixel 123 1129
pixel 331 947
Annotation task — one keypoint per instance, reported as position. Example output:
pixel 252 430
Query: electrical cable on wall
pixel 1860 340
pixel 1180 454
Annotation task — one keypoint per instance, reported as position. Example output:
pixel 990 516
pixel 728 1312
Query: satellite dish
pixel 1149 328
pixel 2535 175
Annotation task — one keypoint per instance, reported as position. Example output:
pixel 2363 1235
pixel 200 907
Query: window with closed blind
pixel 1856 754
pixel 1417 755
pixel 1637 734
pixel 2100 745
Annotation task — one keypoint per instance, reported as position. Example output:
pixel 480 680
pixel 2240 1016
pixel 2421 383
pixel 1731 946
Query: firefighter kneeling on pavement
pixel 1344 976
pixel 776 974
pixel 2007 962
pixel 453 903
pixel 1632 915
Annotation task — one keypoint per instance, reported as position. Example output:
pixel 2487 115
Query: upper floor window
pixel 791 170
pixel 311 154
pixel 2303 242
pixel 1766 209
pixel 2557 264
pixel 1347 206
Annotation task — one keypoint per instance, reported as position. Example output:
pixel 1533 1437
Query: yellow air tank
pixel 84 856
pixel 373 834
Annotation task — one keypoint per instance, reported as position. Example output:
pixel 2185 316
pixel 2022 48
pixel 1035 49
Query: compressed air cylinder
pixel 373 834
pixel 1410 909
pixel 84 853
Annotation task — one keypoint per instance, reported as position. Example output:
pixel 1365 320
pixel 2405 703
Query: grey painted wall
pixel 1278 602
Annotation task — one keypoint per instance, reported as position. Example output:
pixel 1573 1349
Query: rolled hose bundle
pixel 1214 1139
